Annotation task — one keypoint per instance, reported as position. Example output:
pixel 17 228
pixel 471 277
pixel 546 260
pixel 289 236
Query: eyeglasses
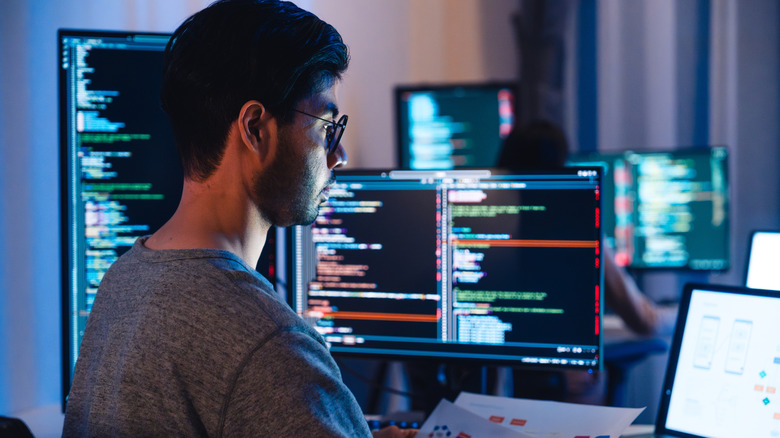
pixel 333 132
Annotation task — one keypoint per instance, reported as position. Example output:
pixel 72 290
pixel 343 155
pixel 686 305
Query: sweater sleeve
pixel 290 386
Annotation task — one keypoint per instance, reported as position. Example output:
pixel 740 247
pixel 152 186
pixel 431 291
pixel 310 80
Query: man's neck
pixel 207 218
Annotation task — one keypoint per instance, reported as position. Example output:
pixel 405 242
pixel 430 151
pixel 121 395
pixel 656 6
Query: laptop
pixel 763 260
pixel 723 377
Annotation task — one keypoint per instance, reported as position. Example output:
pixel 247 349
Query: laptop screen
pixel 724 367
pixel 763 260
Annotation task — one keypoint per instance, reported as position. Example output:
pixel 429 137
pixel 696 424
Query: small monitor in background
pixel 463 265
pixel 763 263
pixel 666 209
pixel 451 126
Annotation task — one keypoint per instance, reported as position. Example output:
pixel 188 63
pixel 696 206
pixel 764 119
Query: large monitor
pixel 666 209
pixel 455 265
pixel 451 126
pixel 120 176
pixel 119 172
pixel 763 260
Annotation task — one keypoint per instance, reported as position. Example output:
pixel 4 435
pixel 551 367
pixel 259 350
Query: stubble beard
pixel 287 193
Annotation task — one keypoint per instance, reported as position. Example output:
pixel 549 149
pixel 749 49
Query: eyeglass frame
pixel 334 133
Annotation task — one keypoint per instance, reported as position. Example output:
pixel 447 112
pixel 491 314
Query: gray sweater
pixel 196 343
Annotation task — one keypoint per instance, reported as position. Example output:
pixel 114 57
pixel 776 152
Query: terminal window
pixel 121 177
pixel 456 265
pixel 453 126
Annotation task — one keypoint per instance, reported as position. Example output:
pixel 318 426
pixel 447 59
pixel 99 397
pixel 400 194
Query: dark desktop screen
pixel 452 126
pixel 120 175
pixel 448 265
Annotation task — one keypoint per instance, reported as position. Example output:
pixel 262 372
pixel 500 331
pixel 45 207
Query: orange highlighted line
pixel 382 316
pixel 529 243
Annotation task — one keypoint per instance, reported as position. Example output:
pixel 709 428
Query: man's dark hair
pixel 239 50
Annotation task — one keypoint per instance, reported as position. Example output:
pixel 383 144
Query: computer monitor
pixel 666 209
pixel 763 260
pixel 119 172
pixel 451 126
pixel 466 265
pixel 120 176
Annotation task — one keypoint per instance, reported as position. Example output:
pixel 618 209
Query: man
pixel 185 338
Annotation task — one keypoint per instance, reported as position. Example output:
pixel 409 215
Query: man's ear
pixel 257 128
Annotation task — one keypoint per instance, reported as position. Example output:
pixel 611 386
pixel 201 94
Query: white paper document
pixel 477 415
pixel 451 421
pixel 540 418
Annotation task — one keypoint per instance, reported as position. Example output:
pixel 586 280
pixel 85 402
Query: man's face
pixel 291 189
